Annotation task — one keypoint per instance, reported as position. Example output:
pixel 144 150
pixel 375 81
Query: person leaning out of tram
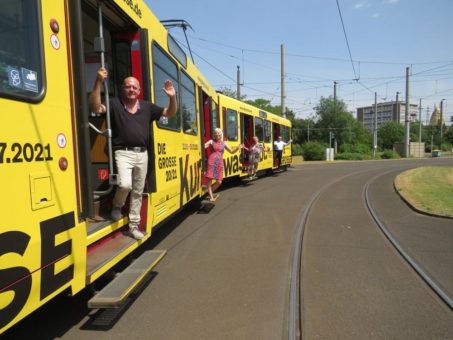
pixel 215 161
pixel 131 131
pixel 279 145
pixel 254 151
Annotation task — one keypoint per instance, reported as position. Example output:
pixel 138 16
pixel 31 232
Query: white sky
pixel 384 36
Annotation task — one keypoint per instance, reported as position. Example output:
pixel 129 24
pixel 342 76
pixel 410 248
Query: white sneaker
pixel 136 233
pixel 116 214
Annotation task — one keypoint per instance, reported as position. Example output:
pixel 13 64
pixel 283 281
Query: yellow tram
pixel 55 164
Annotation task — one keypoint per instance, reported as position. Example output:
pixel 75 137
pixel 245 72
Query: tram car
pixel 56 168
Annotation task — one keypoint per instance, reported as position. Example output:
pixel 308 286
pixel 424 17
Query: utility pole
pixel 308 132
pixel 397 108
pixel 335 91
pixel 282 52
pixel 420 122
pixel 238 83
pixel 375 126
pixel 441 120
pixel 406 117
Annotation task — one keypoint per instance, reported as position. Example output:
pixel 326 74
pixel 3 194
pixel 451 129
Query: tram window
pixel 284 130
pixel 267 131
pixel 21 66
pixel 259 128
pixel 188 105
pixel 231 125
pixel 164 68
pixel 215 120
pixel 177 51
pixel 214 113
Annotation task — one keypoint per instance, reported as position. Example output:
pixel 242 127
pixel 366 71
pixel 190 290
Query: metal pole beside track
pixel 112 176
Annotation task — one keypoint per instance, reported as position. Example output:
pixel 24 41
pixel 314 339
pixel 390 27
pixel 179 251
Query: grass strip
pixel 428 189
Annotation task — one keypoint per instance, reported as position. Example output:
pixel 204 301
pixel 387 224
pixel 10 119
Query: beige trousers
pixel 132 167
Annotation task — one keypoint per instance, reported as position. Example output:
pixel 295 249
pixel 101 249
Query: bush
pixel 389 154
pixel 355 148
pixel 313 151
pixel 446 146
pixel 296 149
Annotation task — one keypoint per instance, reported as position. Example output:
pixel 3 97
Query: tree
pixel 449 135
pixel 333 116
pixel 415 133
pixel 389 134
pixel 303 130
pixel 265 105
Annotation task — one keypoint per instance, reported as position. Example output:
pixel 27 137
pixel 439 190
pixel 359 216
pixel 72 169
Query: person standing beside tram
pixel 131 130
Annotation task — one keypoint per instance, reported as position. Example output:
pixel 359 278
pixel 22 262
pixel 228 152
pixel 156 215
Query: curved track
pixel 354 284
pixel 435 283
pixel 233 273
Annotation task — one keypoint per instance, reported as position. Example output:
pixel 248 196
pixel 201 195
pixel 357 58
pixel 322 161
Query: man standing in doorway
pixel 279 145
pixel 131 130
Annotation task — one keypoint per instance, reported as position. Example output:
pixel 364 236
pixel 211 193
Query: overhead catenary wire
pixel 429 74
pixel 347 41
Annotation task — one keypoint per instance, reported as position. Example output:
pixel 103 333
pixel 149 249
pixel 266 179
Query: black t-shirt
pixel 132 129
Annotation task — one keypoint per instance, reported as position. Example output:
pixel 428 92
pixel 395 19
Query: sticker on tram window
pixel 30 80
pixel 27 152
pixel 24 78
pixel 14 78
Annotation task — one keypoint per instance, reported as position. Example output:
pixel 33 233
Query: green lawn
pixel 428 189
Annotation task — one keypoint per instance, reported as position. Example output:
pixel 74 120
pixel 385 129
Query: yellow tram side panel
pixel 177 154
pixel 232 163
pixel 178 162
pixel 287 154
pixel 266 161
pixel 37 192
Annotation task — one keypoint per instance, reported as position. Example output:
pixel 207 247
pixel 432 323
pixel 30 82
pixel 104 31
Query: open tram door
pixel 107 34
pixel 125 49
pixel 276 132
pixel 209 122
pixel 247 134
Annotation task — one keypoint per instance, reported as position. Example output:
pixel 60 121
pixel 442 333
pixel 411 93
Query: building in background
pixel 435 117
pixel 386 112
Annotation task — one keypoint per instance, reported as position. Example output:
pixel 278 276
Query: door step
pixel 117 291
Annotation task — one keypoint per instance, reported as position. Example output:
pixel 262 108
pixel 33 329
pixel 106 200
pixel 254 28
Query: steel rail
pixel 409 259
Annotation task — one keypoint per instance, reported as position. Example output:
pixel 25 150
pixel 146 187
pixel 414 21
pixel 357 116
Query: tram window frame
pixel 259 128
pixel 162 65
pixel 187 91
pixel 231 125
pixel 215 118
pixel 285 133
pixel 177 51
pixel 267 131
pixel 214 111
pixel 29 56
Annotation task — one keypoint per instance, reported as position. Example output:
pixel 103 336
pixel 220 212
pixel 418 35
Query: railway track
pixel 300 304
pixel 432 281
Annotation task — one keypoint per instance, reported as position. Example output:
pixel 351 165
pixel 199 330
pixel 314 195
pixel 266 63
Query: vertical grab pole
pixel 113 179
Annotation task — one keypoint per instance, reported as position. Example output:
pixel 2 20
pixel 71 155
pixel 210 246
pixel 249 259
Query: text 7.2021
pixel 27 152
